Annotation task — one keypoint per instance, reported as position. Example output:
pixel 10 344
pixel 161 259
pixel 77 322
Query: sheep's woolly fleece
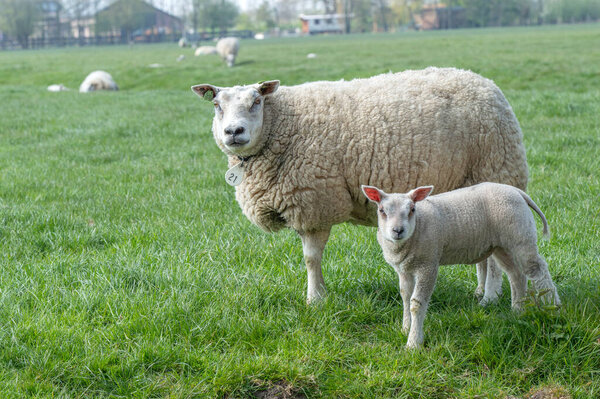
pixel 98 80
pixel 322 140
pixel 228 48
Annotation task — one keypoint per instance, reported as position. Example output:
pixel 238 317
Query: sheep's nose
pixel 398 230
pixel 234 131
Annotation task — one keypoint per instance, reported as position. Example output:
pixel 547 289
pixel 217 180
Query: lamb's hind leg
pixel 493 281
pixel 516 278
pixel 535 268
pixel 313 245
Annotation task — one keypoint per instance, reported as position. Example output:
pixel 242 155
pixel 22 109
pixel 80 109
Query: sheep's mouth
pixel 236 142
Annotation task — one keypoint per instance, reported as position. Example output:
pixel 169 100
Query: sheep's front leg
pixel 407 285
pixel 313 244
pixel 425 278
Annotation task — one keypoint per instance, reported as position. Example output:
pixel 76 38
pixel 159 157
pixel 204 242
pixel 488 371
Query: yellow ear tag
pixel 235 175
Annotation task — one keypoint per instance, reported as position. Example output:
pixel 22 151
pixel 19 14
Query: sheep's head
pixel 237 125
pixel 396 212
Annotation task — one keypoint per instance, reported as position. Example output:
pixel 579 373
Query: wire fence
pixel 7 43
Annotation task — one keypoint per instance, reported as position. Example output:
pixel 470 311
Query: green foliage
pixel 125 16
pixel 128 269
pixel 18 18
pixel 217 14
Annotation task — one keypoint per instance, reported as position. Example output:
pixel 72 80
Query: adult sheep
pixel 302 152
pixel 98 80
pixel 228 48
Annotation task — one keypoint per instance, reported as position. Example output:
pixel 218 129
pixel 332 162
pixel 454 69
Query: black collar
pixel 243 160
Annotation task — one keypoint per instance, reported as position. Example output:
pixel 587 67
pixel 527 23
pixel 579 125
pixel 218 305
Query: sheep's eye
pixel 257 101
pixel 382 211
pixel 412 210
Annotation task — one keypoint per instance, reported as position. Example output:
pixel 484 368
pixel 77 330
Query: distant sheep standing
pixel 418 233
pixel 228 48
pixel 98 80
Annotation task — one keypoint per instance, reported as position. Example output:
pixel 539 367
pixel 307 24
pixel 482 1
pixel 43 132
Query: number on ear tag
pixel 235 175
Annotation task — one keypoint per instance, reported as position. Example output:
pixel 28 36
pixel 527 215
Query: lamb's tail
pixel 532 205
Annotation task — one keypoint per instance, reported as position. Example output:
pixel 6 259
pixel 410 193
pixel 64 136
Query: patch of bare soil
pixel 278 390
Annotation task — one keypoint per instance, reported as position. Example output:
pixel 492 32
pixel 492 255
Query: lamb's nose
pixel 398 231
pixel 234 131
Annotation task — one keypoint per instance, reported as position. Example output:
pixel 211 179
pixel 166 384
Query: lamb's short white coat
pixel 418 233
pixel 98 80
pixel 310 147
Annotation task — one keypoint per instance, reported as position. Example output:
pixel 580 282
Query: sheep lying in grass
pixel 419 233
pixel 205 50
pixel 304 150
pixel 98 80
pixel 228 48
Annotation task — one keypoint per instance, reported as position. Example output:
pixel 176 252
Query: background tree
pixel 216 14
pixel 18 18
pixel 126 16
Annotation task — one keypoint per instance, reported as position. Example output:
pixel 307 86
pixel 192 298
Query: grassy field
pixel 127 269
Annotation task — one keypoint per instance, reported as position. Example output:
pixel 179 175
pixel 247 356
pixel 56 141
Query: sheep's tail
pixel 532 205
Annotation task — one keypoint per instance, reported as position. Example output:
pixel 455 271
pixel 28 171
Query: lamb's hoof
pixel 315 299
pixel 411 346
pixel 486 301
pixel 478 293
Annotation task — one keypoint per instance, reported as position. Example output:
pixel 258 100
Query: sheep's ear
pixel 420 193
pixel 373 193
pixel 207 92
pixel 268 87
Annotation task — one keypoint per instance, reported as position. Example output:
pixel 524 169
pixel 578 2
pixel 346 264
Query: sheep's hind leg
pixel 481 275
pixel 516 278
pixel 493 282
pixel 313 245
pixel 535 268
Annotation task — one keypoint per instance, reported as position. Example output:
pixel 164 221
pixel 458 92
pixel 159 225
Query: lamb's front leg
pixel 313 245
pixel 407 285
pixel 425 278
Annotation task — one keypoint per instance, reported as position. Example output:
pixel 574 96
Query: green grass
pixel 128 269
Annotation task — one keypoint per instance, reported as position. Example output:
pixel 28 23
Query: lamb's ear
pixel 372 193
pixel 207 92
pixel 268 87
pixel 420 193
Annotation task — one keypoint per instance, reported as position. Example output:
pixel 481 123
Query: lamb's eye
pixel 412 210
pixel 382 211
pixel 257 101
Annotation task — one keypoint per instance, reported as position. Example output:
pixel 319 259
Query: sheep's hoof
pixel 478 293
pixel 486 301
pixel 315 298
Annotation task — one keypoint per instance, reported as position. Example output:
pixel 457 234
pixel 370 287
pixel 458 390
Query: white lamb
pixel 228 48
pixel 98 80
pixel 205 50
pixel 301 152
pixel 419 233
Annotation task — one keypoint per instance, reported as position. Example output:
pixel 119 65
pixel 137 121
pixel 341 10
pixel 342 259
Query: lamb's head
pixel 396 212
pixel 237 125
